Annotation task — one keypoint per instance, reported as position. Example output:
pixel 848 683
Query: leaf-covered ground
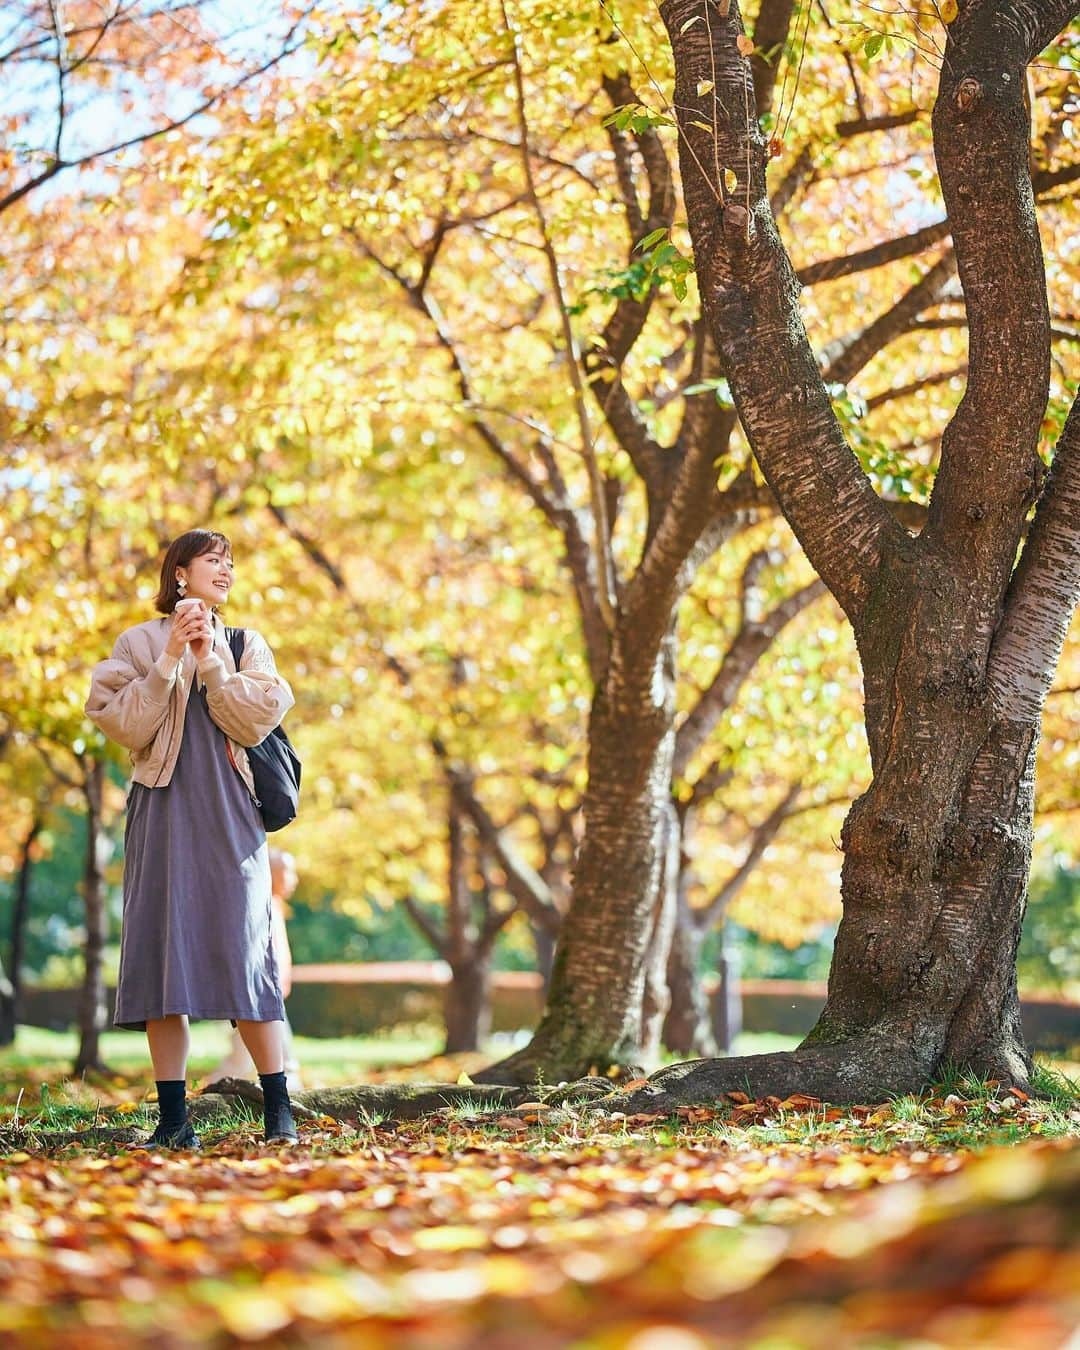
pixel 769 1224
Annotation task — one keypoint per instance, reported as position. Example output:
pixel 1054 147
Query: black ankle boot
pixel 173 1128
pixel 278 1124
pixel 184 1137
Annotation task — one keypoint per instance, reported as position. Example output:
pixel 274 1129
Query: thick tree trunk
pixel 92 1001
pixel 593 1017
pixel 937 851
pixel 468 1003
pixel 21 909
pixel 688 1029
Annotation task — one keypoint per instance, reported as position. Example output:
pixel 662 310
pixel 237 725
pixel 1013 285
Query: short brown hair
pixel 180 552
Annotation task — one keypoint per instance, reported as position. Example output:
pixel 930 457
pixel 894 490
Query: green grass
pixel 126 1052
pixel 38 1094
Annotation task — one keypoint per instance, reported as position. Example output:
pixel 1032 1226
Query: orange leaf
pixel 744 44
pixel 740 1098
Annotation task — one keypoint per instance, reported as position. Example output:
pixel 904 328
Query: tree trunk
pixel 21 910
pixel 544 942
pixel 656 999
pixel 727 1001
pixel 7 1009
pixel 688 1029
pixel 593 1017
pixel 937 851
pixel 468 1003
pixel 92 1001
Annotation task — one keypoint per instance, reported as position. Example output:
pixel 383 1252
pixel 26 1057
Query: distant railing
pixel 348 999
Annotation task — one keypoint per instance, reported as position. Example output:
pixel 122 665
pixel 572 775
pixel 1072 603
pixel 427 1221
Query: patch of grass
pixel 1053 1080
pixel 39 1055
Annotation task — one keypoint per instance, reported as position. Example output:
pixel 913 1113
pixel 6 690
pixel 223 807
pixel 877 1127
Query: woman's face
pixel 209 577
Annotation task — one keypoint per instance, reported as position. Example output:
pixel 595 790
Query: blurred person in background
pixel 237 1062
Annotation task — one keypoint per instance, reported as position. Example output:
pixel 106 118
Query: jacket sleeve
pixel 247 706
pixel 128 704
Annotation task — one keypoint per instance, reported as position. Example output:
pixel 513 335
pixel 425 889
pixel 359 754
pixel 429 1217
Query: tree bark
pixel 21 909
pixel 727 1001
pixel 937 850
pixel 688 1029
pixel 544 942
pixel 7 1009
pixel 593 1016
pixel 656 999
pixel 468 1003
pixel 92 1000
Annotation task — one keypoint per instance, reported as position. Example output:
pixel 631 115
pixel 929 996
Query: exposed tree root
pixel 531 1066
pixel 854 1071
pixel 365 1102
pixel 45 1141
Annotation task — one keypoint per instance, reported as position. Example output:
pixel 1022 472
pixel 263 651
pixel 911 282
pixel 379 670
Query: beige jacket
pixel 138 697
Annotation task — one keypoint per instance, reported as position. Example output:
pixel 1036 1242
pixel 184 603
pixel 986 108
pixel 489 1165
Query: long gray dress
pixel 196 925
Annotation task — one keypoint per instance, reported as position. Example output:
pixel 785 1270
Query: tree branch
pixel 904 246
pixel 750 296
pixel 58 165
pixel 762 837
pixel 750 644
pixel 605 566
pixel 982 146
pixel 1044 589
pixel 904 390
pixel 846 358
pixel 438 940
pixel 770 34
pixel 522 880
pixel 603 362
pixel 861 126
pixel 557 509
pixel 876 256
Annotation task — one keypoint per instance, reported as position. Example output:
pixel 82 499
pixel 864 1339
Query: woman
pixel 196 938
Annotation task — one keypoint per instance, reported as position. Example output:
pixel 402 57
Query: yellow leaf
pixel 463 1080
pixel 704 87
pixel 948 9
pixel 126 1108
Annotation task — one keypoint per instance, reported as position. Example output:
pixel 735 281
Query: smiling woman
pixel 196 938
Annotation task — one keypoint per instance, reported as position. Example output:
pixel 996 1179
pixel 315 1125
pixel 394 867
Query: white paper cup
pixel 182 605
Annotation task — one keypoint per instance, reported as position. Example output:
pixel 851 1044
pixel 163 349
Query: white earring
pixel 181 586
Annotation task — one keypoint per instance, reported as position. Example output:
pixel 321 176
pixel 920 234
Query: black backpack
pixel 275 765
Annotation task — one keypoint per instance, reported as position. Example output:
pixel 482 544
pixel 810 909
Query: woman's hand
pixel 190 625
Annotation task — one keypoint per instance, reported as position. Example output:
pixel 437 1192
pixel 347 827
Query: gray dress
pixel 196 926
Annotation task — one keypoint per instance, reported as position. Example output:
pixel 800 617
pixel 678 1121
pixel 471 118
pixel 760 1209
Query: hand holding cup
pixel 190 624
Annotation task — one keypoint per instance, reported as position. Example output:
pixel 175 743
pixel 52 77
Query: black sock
pixel 275 1093
pixel 171 1101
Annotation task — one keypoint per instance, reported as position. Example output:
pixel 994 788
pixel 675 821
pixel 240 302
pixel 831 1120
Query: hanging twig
pixel 602 536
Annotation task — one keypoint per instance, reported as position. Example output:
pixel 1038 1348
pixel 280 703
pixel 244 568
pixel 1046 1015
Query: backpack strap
pixel 237 641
